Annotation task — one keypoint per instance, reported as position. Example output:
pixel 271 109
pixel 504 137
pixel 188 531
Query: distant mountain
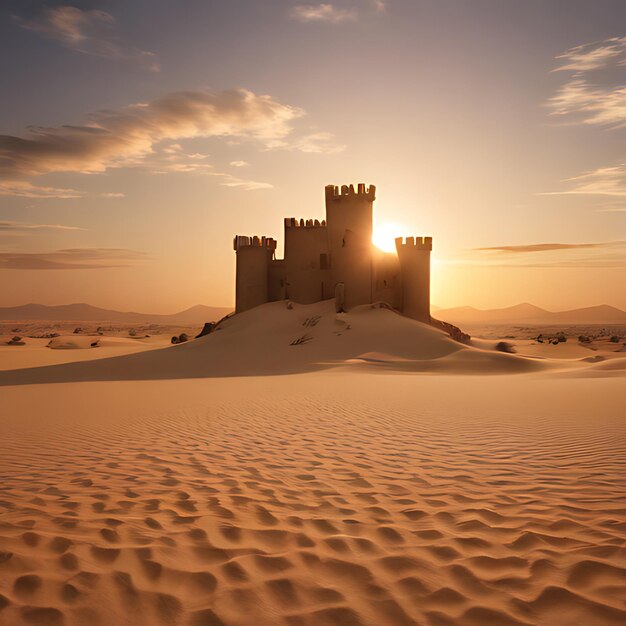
pixel 530 314
pixel 86 313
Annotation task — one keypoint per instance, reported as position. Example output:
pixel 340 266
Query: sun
pixel 384 236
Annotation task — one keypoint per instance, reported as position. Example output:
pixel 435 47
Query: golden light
pixel 384 236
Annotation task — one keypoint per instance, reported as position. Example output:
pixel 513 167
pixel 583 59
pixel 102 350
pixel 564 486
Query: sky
pixel 138 137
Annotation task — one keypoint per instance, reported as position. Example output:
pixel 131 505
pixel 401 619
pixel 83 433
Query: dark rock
pixel 206 329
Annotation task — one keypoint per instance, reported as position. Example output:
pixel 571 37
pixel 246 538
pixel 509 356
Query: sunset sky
pixel 138 137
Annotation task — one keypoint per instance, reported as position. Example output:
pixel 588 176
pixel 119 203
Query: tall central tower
pixel 349 224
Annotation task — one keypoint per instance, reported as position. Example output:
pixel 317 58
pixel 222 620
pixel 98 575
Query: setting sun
pixel 385 234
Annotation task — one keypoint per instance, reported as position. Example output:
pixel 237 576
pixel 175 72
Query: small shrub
pixel 614 339
pixel 174 339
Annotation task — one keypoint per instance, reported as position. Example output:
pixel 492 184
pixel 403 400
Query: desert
pixel 397 477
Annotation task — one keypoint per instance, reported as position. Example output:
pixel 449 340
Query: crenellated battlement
pixel 413 243
pixel 335 193
pixel 243 241
pixel 292 222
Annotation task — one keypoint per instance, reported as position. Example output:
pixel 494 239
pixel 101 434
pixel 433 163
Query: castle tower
pixel 414 257
pixel 349 226
pixel 254 255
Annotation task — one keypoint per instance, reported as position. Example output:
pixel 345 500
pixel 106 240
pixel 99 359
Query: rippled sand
pixel 335 498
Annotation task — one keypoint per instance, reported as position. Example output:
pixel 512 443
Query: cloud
pixel 24 189
pixel 337 13
pixel 543 247
pixel 604 181
pixel 322 13
pixel 228 180
pixel 90 31
pixel 313 143
pixel 595 92
pixel 174 159
pixel 239 163
pixel 28 227
pixel 593 56
pixel 551 255
pixel 126 136
pixel 71 259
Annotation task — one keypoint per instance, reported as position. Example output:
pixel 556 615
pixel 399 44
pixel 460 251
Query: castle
pixel 335 258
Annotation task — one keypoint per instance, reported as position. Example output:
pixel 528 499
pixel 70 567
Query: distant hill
pixel 86 313
pixel 530 314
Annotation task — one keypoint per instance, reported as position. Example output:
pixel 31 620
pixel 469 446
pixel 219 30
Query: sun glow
pixel 384 236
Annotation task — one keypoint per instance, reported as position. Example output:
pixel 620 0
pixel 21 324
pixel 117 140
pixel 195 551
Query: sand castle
pixel 335 258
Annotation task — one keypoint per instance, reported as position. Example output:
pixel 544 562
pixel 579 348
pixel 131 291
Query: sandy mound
pixel 274 339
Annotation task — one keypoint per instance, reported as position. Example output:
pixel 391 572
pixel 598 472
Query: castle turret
pixel 349 226
pixel 414 257
pixel 254 255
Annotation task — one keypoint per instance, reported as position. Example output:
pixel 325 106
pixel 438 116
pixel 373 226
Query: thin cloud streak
pixel 25 189
pixel 544 247
pixel 604 254
pixel 27 227
pixel 336 13
pixel 71 259
pixel 323 13
pixel 604 181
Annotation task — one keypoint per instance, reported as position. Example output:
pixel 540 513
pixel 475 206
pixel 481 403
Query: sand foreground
pixel 332 498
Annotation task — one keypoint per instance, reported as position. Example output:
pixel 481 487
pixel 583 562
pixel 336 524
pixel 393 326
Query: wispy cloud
pixel 313 143
pixel 595 93
pixel 337 12
pixel 173 158
pixel 239 163
pixel 603 181
pixel 572 255
pixel 71 259
pixel 90 31
pixel 543 247
pixel 593 56
pixel 323 13
pixel 28 227
pixel 126 136
pixel 25 189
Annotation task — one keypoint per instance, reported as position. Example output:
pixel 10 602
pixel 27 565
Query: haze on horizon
pixel 137 139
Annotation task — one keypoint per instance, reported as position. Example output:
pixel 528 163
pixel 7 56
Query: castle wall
pixel 277 281
pixel 307 261
pixel 349 224
pixel 414 257
pixel 253 258
pixel 387 286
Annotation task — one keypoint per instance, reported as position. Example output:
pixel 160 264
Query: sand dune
pixel 274 339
